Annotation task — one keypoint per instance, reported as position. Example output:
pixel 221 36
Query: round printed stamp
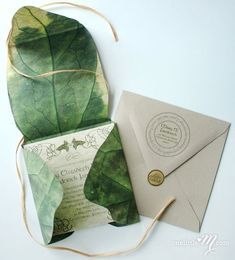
pixel 167 134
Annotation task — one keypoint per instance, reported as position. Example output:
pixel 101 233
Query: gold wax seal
pixel 156 177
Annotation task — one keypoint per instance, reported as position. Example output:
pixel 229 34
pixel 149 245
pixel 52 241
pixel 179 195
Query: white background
pixel 181 52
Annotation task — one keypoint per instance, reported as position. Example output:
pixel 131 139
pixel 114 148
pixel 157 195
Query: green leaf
pixel 41 42
pixel 47 192
pixel 108 183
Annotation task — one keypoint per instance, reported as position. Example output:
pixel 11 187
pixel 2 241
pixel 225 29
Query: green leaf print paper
pixel 73 152
pixel 47 191
pixel 109 175
pixel 41 42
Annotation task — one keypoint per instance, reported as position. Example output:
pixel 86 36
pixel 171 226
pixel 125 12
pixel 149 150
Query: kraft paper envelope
pixel 185 146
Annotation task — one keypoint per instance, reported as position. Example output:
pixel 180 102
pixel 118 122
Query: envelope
pixel 170 151
pixel 73 153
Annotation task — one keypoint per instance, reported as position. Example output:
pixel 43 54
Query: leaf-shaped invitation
pixel 59 99
pixel 47 191
pixel 40 42
pixel 109 175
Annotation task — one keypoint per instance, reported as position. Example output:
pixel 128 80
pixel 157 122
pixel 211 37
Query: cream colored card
pixel 184 146
pixel 70 157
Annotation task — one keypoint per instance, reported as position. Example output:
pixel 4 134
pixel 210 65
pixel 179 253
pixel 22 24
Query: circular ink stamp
pixel 167 134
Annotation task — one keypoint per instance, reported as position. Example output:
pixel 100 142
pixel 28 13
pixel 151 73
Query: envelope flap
pixel 47 192
pixel 168 135
pixel 108 183
pixel 42 42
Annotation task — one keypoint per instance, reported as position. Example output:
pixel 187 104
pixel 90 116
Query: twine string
pixel 84 7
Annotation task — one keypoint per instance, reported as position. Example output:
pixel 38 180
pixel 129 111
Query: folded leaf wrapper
pixel 64 103
pixel 41 42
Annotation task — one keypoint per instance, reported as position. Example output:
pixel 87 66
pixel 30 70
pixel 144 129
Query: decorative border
pixel 156 138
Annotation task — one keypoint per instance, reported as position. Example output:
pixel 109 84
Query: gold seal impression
pixel 156 177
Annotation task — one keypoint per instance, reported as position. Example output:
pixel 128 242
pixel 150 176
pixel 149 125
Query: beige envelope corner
pixel 191 168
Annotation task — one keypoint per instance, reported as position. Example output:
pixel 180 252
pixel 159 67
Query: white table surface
pixel 181 52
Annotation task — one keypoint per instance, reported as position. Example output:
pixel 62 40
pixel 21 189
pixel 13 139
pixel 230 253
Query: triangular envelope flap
pixel 44 185
pixel 108 183
pixel 168 135
pixel 41 42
